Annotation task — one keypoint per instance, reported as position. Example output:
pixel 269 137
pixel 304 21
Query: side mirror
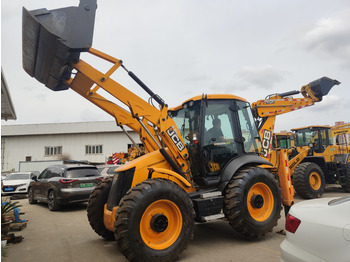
pixel 35 178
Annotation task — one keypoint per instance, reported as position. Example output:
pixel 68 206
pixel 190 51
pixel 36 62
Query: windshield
pixel 315 136
pixel 17 176
pixel 303 137
pixel 187 121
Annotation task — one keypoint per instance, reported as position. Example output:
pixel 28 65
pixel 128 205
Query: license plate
pixel 9 189
pixel 86 185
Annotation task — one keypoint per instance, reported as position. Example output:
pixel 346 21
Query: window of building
pixel 93 149
pixel 53 150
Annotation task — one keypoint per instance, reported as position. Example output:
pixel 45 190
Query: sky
pixel 185 48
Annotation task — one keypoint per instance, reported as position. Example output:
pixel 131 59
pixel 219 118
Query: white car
pixel 318 230
pixel 16 183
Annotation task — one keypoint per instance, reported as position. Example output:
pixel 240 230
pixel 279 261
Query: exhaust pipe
pixel 53 39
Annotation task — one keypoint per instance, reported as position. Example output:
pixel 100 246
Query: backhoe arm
pixel 266 110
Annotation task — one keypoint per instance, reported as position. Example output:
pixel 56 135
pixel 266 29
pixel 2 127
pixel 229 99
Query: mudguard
pixel 235 164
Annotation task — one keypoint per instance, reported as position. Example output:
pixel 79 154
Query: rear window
pixel 82 172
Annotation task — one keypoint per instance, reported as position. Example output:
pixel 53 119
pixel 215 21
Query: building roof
pixel 61 128
pixel 7 108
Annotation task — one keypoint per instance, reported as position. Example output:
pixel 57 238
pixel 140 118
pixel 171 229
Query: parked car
pixel 16 183
pixel 63 184
pixel 107 170
pixel 318 230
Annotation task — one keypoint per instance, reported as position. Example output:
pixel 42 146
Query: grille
pixel 119 187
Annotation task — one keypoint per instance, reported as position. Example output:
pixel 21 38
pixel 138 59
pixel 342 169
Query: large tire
pixel 95 208
pixel 52 203
pixel 346 185
pixel 253 202
pixel 31 198
pixel 154 221
pixel 308 180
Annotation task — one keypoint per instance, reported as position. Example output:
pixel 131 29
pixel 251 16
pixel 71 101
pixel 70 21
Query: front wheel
pixel 154 221
pixel 31 199
pixel 253 202
pixel 308 180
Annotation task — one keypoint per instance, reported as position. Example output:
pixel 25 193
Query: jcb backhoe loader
pixel 192 172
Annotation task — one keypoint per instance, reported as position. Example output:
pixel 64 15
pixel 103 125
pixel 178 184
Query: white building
pixel 87 141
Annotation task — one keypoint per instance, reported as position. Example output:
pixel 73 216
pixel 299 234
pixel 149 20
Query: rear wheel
pixel 308 180
pixel 154 221
pixel 52 202
pixel 31 199
pixel 95 208
pixel 253 202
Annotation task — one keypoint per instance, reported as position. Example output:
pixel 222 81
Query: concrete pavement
pixel 66 235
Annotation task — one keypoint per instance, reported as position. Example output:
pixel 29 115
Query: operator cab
pixel 319 136
pixel 216 129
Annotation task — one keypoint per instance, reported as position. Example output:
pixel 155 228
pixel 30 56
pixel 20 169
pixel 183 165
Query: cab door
pixel 220 141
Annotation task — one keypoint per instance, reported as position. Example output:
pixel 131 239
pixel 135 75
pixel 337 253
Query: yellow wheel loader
pixel 341 136
pixel 326 163
pixel 203 158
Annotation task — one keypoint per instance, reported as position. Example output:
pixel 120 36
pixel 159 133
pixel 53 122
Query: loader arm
pixel 122 116
pixel 52 43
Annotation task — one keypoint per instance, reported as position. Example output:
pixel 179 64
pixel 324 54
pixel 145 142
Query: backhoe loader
pixel 191 172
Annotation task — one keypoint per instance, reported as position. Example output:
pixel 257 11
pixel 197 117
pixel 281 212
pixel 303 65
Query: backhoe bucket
pixel 322 86
pixel 53 39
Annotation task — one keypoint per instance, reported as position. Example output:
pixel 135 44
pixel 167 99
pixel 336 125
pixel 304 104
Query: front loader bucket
pixel 53 39
pixel 322 86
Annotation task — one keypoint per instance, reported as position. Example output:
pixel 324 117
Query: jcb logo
pixel 266 141
pixel 171 132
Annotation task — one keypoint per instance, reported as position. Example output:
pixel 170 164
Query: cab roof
pixel 307 127
pixel 209 97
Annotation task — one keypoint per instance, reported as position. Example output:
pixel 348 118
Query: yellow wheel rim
pixel 315 181
pixel 260 202
pixel 161 224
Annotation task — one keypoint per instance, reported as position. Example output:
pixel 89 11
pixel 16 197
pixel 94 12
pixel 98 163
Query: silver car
pixel 63 184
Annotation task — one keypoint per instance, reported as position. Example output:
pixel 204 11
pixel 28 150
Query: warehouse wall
pixel 17 148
